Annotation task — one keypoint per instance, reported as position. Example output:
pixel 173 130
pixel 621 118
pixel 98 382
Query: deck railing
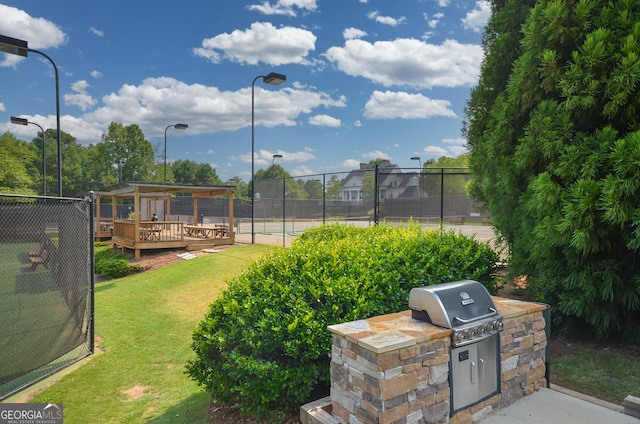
pixel 149 231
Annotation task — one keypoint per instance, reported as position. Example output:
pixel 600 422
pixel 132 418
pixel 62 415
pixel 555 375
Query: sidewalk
pixel 552 406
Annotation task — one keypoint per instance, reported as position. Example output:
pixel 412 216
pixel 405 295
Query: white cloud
pixel 443 3
pixel 376 154
pixel 97 32
pixel 283 7
pixel 262 43
pixel 303 170
pixel 459 141
pixel 387 20
pixel 407 61
pixel 349 164
pixel 40 33
pixel 392 105
pixel 435 151
pixel 458 150
pixel 458 146
pixel 433 21
pixel 96 74
pixel 478 17
pixel 157 101
pixel 265 157
pixel 80 97
pixel 325 121
pixel 2 107
pixel 357 123
pixel 352 32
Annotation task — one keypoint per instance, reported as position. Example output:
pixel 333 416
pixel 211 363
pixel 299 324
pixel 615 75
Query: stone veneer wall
pixel 395 370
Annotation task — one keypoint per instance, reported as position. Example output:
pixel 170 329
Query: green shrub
pixel 264 344
pixel 111 263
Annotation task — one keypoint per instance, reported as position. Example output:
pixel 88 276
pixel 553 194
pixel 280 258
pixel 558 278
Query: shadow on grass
pixel 103 286
pixel 192 410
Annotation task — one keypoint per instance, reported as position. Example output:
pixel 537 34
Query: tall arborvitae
pixel 556 154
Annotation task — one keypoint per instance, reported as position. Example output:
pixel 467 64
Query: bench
pixel 39 259
pixel 456 220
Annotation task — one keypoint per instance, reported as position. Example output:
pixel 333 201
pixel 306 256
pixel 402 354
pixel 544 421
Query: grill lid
pixel 452 304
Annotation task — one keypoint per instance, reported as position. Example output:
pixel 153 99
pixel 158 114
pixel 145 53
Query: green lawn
pixel 606 373
pixel 145 322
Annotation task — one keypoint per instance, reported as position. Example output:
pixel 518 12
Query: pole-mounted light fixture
pixel 276 156
pixel 178 127
pixel 272 78
pixel 24 121
pixel 20 47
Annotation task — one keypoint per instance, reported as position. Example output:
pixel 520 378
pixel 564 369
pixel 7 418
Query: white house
pixel 394 183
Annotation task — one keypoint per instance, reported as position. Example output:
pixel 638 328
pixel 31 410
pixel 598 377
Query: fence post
pixel 324 198
pixel 92 273
pixel 442 197
pixel 376 205
pixel 284 217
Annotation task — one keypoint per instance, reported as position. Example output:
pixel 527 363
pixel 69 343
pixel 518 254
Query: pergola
pixel 138 232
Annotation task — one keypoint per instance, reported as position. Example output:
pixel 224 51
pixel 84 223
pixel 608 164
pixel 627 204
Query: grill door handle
pixel 467 321
pixel 481 371
pixel 473 372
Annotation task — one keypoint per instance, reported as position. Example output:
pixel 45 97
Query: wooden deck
pixel 169 235
pixel 138 233
pixel 103 229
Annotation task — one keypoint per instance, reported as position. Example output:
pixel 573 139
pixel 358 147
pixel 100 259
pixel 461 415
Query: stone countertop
pixel 511 308
pixel 396 331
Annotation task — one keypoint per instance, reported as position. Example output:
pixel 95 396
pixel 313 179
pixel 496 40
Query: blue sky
pixel 365 78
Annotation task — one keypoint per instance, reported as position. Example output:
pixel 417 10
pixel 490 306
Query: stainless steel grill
pixel 468 310
pixel 463 306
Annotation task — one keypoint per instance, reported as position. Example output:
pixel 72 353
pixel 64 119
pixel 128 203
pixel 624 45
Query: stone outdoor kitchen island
pixel 395 369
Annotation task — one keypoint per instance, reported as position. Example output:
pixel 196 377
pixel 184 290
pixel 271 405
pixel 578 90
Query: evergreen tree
pixel 555 149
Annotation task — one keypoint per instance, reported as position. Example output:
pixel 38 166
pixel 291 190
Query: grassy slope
pixel 146 322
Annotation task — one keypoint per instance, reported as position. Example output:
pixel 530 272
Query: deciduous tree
pixel 15 177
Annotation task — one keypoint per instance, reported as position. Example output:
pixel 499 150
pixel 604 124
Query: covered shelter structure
pixel 146 222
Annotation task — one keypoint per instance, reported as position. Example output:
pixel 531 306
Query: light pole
pixel 178 127
pixel 274 79
pixel 276 156
pixel 120 165
pixel 23 121
pixel 20 48
pixel 419 189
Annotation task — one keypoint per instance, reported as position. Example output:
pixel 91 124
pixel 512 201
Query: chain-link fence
pixel 285 207
pixel 434 197
pixel 46 287
pixel 288 206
